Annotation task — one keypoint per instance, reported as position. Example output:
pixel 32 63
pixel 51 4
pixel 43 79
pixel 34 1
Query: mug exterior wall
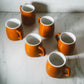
pixel 46 31
pixel 28 18
pixel 12 34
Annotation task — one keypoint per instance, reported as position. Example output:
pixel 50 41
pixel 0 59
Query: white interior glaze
pixel 13 23
pixel 71 35
pixel 28 8
pixel 58 54
pixel 33 35
pixel 47 20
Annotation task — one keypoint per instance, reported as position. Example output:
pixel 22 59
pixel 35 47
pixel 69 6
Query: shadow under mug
pixel 27 14
pixel 46 26
pixel 33 45
pixel 66 42
pixel 14 29
pixel 56 65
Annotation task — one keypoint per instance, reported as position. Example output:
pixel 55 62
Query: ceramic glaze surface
pixel 46 26
pixel 56 59
pixel 65 43
pixel 27 14
pixel 56 65
pixel 14 29
pixel 33 46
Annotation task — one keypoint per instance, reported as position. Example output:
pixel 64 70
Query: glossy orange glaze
pixel 44 30
pixel 57 72
pixel 28 18
pixel 66 49
pixel 34 51
pixel 15 34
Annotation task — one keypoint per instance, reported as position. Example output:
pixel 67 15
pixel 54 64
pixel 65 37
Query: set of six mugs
pixel 56 63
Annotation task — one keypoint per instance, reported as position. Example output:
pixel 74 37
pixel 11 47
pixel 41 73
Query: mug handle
pixel 57 36
pixel 42 51
pixel 20 36
pixel 39 19
pixel 68 72
pixel 20 7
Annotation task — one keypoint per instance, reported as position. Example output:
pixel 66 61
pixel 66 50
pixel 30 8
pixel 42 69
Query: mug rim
pixel 26 4
pixel 49 18
pixel 35 35
pixel 61 55
pixel 69 35
pixel 13 19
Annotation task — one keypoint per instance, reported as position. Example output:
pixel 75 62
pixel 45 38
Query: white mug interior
pixel 47 20
pixel 13 23
pixel 28 8
pixel 68 38
pixel 33 39
pixel 57 59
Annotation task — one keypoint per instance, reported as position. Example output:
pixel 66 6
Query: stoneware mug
pixel 33 45
pixel 27 14
pixel 46 26
pixel 66 42
pixel 56 65
pixel 14 29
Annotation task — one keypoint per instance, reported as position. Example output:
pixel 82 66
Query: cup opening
pixel 68 38
pixel 13 23
pixel 28 8
pixel 57 59
pixel 33 39
pixel 47 20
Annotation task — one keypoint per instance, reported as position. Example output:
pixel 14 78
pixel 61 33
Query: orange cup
pixel 56 65
pixel 46 26
pixel 27 14
pixel 66 42
pixel 33 45
pixel 14 29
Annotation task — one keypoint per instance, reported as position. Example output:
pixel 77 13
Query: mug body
pixel 14 29
pixel 33 41
pixel 27 14
pixel 55 66
pixel 46 26
pixel 66 43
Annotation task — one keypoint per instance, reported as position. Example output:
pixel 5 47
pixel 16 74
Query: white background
pixel 44 5
pixel 18 68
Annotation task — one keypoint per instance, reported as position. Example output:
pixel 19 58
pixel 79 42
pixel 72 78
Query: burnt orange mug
pixel 56 65
pixel 14 29
pixel 27 14
pixel 33 45
pixel 46 26
pixel 66 42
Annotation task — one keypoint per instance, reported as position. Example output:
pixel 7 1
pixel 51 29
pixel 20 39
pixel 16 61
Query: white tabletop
pixel 18 68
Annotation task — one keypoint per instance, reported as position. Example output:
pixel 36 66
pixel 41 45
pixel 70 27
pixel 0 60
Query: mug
pixel 14 29
pixel 33 45
pixel 56 65
pixel 27 14
pixel 66 42
pixel 46 26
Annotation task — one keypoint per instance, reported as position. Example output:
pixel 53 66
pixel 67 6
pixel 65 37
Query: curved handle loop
pixel 20 7
pixel 42 51
pixel 20 35
pixel 57 36
pixel 67 74
pixel 39 19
